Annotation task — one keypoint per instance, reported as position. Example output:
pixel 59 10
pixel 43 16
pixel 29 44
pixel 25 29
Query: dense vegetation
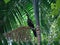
pixel 13 15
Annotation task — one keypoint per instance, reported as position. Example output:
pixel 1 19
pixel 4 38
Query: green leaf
pixel 58 4
pixel 52 5
pixel 6 1
pixel 1 42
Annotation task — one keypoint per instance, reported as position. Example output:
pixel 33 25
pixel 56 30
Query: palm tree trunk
pixel 36 11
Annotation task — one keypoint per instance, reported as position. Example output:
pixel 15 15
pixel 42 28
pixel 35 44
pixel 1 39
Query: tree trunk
pixel 36 11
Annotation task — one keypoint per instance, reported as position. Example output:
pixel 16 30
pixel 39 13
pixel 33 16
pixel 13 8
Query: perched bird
pixel 31 25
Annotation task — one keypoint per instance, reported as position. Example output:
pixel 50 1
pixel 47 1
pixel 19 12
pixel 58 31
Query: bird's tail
pixel 34 32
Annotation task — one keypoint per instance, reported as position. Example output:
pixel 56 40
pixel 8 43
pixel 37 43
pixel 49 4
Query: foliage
pixel 13 15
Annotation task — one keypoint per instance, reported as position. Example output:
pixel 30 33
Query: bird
pixel 31 25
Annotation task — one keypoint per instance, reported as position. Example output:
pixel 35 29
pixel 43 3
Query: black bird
pixel 31 25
